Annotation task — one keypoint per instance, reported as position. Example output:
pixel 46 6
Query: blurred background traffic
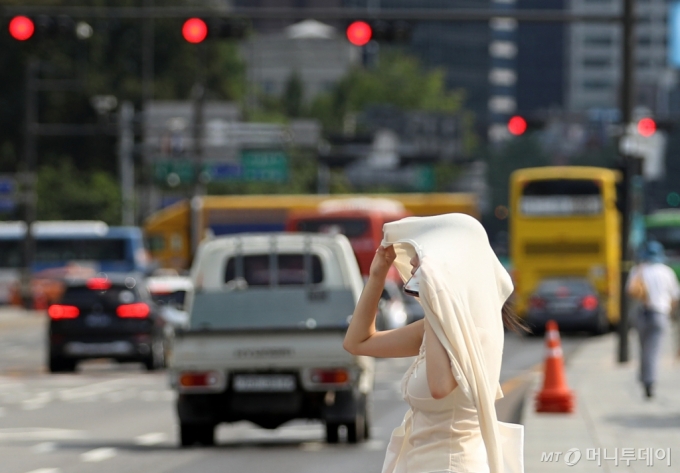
pixel 135 132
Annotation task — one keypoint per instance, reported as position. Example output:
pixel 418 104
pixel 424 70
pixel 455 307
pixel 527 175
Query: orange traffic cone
pixel 555 395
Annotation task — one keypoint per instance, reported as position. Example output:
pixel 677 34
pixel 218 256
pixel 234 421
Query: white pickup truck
pixel 267 319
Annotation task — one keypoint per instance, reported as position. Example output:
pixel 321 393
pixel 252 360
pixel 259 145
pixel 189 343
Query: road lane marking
pixel 39 401
pixel 154 438
pixel 98 454
pixel 91 390
pixel 45 447
pixel 46 470
pixel 40 433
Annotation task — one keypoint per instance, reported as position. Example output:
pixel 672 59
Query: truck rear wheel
pixel 58 364
pixel 356 431
pixel 332 435
pixel 202 434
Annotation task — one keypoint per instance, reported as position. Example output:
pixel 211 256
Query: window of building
pixel 599 40
pixel 596 84
pixel 597 62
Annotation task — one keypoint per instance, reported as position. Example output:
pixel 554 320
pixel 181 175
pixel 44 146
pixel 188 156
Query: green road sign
pixel 264 165
pixel 256 165
pixel 424 178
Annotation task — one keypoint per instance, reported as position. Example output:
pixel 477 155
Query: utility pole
pixel 632 168
pixel 126 165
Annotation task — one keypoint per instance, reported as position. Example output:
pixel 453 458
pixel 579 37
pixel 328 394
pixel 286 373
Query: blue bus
pixel 92 244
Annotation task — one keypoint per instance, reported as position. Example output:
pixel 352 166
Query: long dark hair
pixel 511 320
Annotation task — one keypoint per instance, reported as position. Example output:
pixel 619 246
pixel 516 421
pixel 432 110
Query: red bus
pixel 361 220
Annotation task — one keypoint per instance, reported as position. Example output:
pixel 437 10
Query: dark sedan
pixel 105 317
pixel 572 302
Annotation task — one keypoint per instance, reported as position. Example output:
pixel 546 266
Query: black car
pixel 572 302
pixel 105 317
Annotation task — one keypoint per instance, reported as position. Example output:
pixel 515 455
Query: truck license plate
pixel 245 383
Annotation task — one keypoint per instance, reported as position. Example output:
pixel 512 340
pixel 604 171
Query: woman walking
pixel 451 387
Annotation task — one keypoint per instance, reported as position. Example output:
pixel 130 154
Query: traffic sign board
pixel 256 165
pixel 264 165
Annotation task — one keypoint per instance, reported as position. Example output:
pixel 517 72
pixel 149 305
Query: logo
pixel 572 456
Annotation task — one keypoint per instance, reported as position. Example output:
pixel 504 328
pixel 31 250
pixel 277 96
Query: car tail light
pixel 98 284
pixel 200 379
pixel 589 302
pixel 60 312
pixel 330 376
pixel 138 310
pixel 536 302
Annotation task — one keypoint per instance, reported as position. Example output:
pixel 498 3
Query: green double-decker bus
pixel 664 227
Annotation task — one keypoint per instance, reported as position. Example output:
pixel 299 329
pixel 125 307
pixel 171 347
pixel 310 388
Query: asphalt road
pixel 119 418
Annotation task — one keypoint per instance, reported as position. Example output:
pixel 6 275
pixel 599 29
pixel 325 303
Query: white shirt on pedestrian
pixel 661 283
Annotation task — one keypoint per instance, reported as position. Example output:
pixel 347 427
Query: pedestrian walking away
pixel 452 385
pixel 656 287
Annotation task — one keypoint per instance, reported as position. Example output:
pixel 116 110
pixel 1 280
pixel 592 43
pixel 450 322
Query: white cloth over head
pixel 463 287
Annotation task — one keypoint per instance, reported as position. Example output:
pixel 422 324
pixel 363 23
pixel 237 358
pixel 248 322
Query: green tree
pixel 293 96
pixel 65 193
pixel 398 80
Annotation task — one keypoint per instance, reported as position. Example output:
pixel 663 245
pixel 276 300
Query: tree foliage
pixel 398 79
pixel 65 193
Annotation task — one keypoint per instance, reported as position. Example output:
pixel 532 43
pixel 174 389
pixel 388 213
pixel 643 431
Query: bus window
pixel 561 197
pixel 61 250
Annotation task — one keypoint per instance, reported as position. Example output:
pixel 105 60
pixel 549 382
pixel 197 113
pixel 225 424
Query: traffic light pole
pixel 632 168
pixel 28 181
pixel 198 94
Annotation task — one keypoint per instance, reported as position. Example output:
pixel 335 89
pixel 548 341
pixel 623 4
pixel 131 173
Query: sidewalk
pixel 15 318
pixel 611 413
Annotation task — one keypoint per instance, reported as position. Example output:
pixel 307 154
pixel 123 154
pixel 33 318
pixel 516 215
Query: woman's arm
pixel 440 378
pixel 362 338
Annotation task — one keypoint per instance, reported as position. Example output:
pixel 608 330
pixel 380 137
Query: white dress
pixel 445 433
pixel 462 289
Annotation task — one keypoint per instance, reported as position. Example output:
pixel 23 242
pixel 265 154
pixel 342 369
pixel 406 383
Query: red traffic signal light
pixel 517 125
pixel 21 28
pixel 646 127
pixel 359 33
pixel 194 30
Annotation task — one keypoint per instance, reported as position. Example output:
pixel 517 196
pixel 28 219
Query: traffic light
pixel 646 127
pixel 21 28
pixel 361 32
pixel 197 30
pixel 194 30
pixel 517 125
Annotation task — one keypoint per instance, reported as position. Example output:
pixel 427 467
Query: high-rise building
pixel 594 59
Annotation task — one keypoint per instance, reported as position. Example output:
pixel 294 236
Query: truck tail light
pixel 60 312
pixel 138 310
pixel 330 376
pixel 199 379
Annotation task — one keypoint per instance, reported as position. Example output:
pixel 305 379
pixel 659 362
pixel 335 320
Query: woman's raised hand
pixel 383 259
